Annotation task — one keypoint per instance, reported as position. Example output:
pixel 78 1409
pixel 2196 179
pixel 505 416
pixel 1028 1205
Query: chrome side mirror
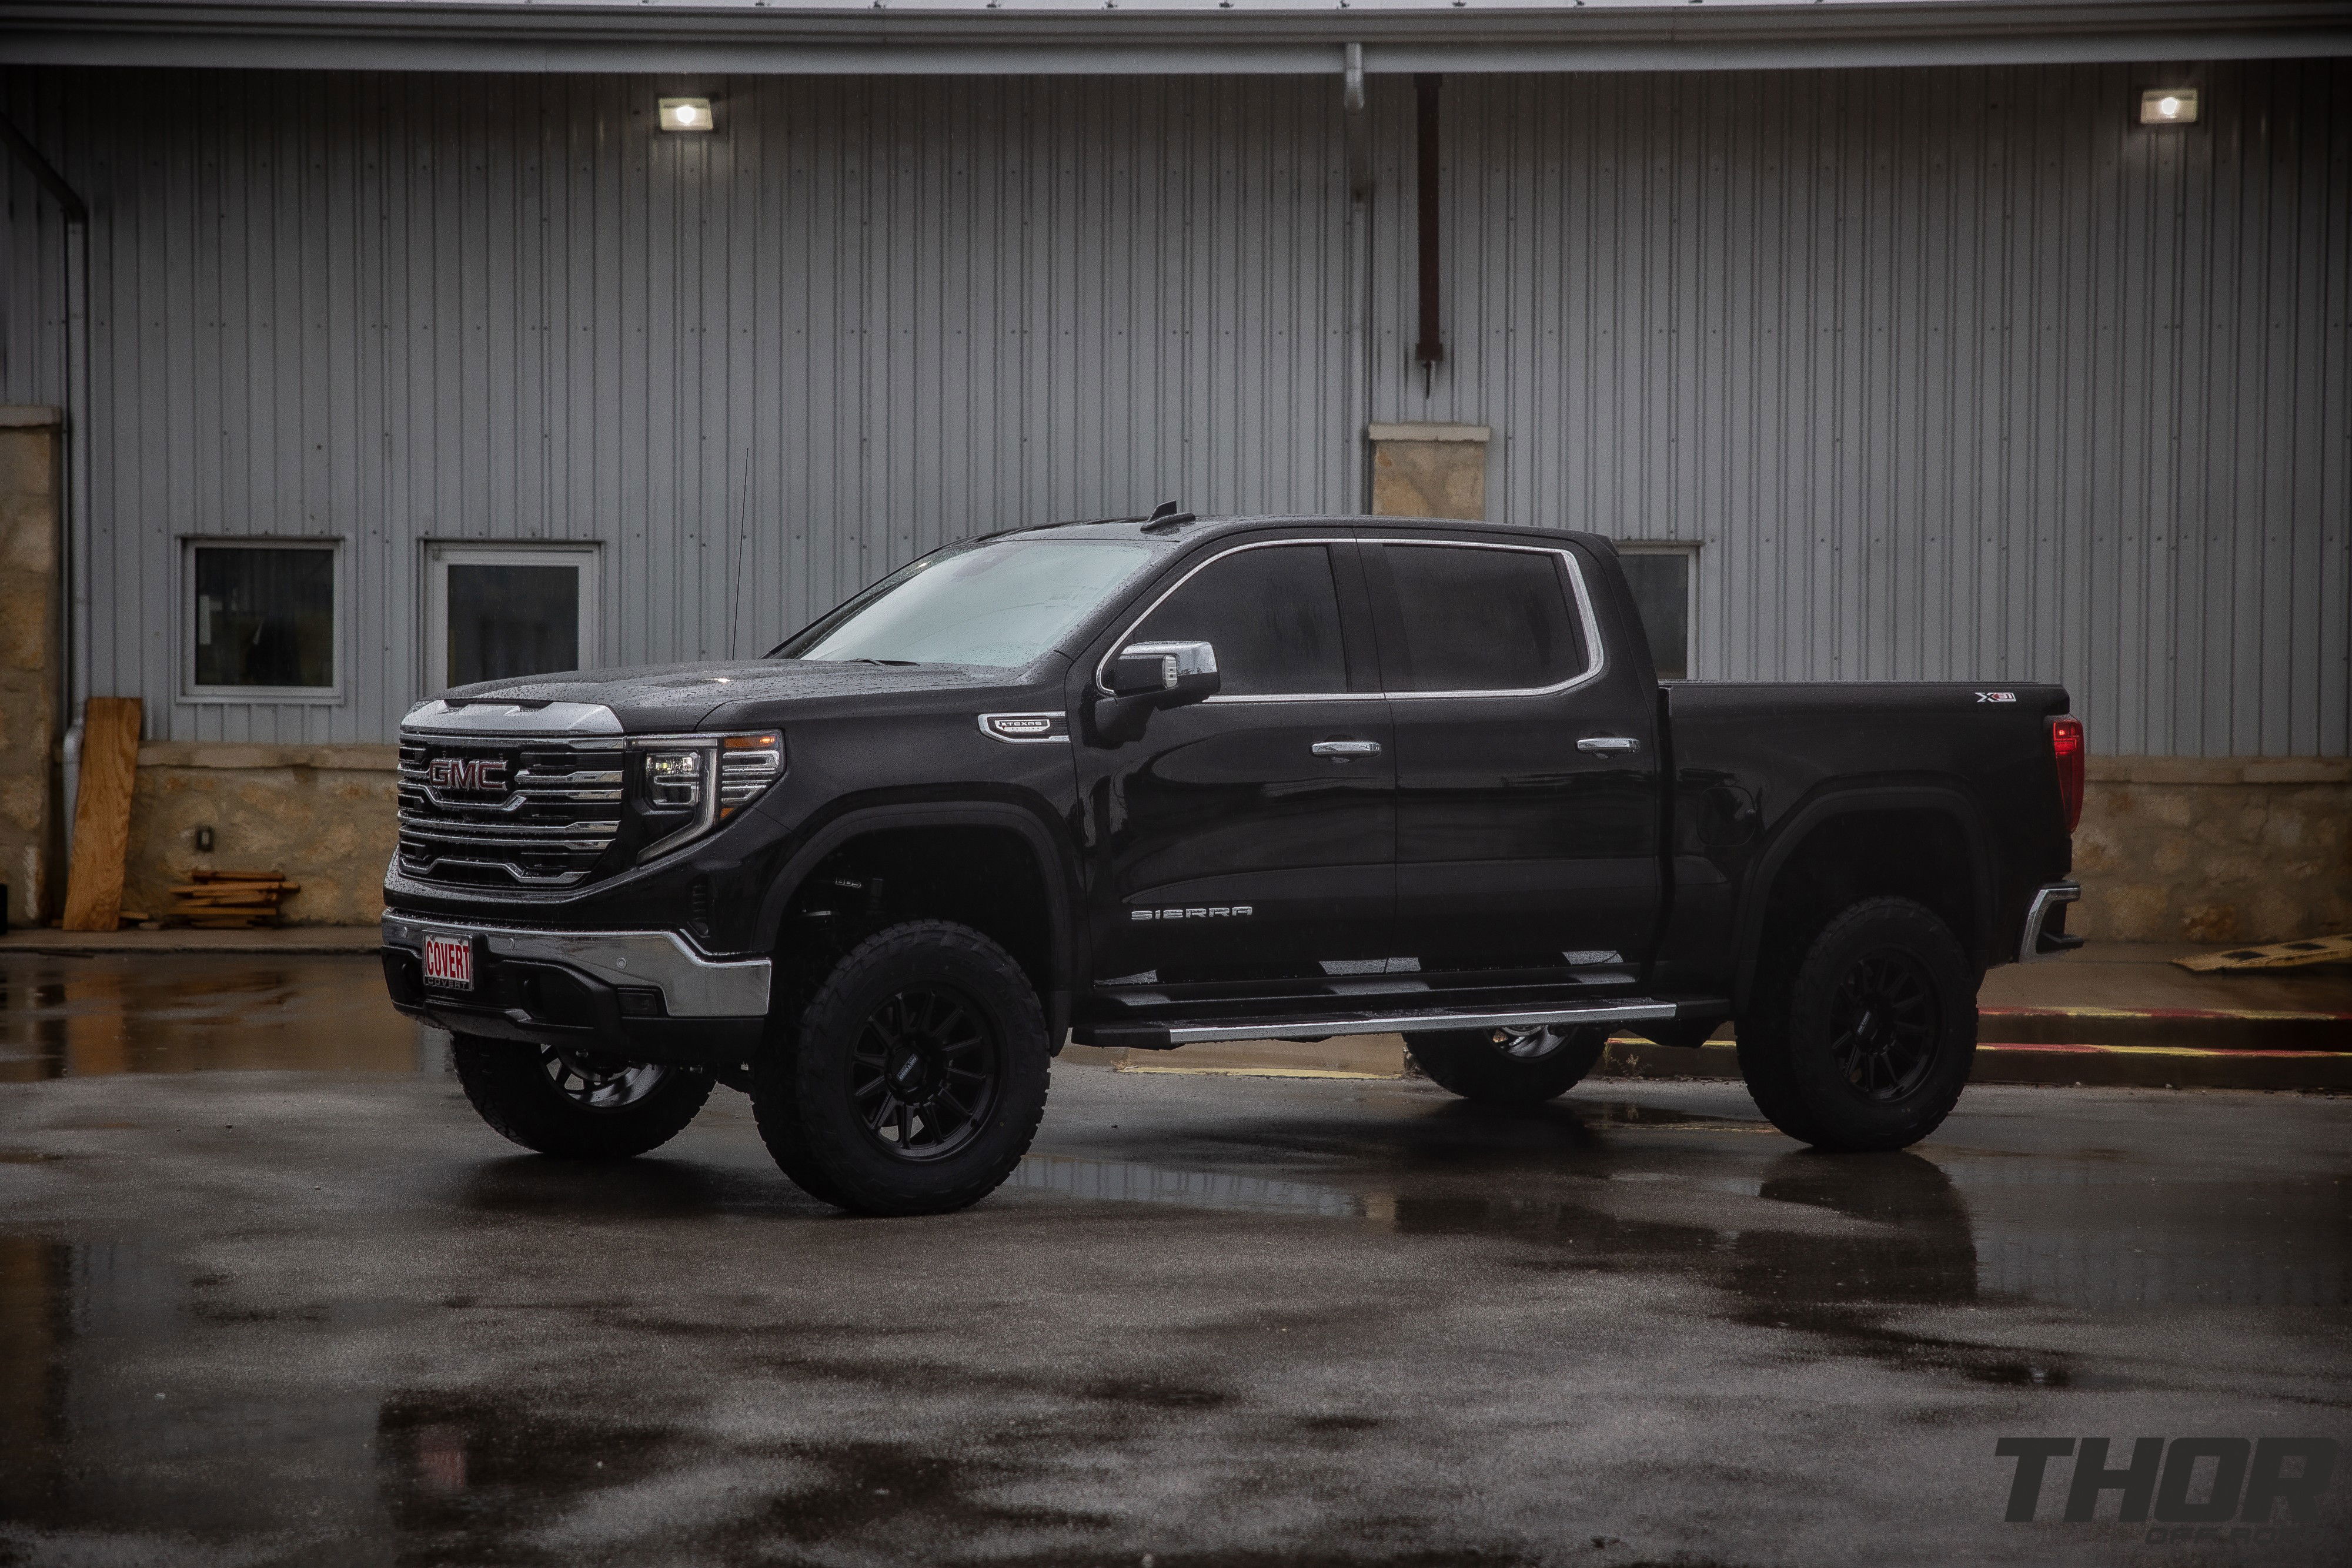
pixel 1145 676
pixel 1174 672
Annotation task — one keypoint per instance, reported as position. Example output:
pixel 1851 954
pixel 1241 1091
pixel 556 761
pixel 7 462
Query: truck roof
pixel 1191 530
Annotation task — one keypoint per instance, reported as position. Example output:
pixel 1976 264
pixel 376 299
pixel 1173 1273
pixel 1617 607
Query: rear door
pixel 1525 757
pixel 1250 837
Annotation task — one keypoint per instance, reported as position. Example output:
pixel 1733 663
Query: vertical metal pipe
pixel 1430 349
pixel 78 547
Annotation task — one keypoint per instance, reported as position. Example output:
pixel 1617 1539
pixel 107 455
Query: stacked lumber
pixel 230 900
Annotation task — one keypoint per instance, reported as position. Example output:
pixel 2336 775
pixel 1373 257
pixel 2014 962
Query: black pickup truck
pixel 1151 781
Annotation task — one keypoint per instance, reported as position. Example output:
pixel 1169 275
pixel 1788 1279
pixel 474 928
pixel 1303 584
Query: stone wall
pixel 2183 849
pixel 1430 470
pixel 321 814
pixel 29 556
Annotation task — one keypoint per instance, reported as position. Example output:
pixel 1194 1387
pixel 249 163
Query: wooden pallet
pixel 2275 956
pixel 230 900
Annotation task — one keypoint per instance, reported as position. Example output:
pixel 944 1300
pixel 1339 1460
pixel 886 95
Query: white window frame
pixel 1689 550
pixel 441 555
pixel 190 619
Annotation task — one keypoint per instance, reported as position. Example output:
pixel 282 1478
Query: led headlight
pixel 674 779
pixel 698 781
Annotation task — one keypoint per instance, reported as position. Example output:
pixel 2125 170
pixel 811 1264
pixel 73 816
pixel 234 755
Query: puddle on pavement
pixel 1120 1181
pixel 174 1012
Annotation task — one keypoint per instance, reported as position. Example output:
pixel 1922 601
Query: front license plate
pixel 449 961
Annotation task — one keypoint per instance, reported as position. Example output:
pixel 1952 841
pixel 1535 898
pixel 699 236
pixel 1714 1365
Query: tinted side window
pixel 1273 615
pixel 1479 620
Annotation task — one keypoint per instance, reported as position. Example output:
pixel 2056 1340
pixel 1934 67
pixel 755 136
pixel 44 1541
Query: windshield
pixel 1000 604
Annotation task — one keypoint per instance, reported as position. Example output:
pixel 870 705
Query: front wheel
pixel 1508 1066
pixel 581 1107
pixel 915 1078
pixel 1866 1040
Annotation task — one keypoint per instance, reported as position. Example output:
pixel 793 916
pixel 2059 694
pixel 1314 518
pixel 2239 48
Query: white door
pixel 500 612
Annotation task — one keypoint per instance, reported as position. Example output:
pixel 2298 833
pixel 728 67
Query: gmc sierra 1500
pixel 1146 782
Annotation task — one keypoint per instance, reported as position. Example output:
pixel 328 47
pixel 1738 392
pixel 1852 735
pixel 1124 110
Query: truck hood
pixel 655 698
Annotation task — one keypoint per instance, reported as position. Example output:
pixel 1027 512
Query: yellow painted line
pixel 2052 1049
pixel 1252 1071
pixel 2164 1015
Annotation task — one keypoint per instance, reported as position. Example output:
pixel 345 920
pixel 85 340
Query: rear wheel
pixel 575 1106
pixel 915 1078
pixel 1863 1041
pixel 1509 1066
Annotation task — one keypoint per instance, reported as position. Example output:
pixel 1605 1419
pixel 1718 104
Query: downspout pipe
pixel 74 672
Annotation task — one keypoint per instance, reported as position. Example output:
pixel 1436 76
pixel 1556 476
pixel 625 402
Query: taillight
pixel 2066 749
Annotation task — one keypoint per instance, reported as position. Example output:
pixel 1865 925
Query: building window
pixel 262 617
pixel 505 611
pixel 1664 581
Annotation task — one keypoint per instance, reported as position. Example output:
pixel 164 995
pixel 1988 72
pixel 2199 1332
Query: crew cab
pixel 1152 782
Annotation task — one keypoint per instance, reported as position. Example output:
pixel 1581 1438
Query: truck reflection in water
pixel 84 1017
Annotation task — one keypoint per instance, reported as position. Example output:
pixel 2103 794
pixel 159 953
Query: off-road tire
pixel 509 1086
pixel 1797 1052
pixel 804 1092
pixel 1469 1062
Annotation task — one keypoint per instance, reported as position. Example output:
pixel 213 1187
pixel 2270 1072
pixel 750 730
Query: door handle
pixel 1609 743
pixel 1346 748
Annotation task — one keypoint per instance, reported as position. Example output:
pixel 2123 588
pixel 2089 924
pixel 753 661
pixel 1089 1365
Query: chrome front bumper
pixel 2037 915
pixel 691 985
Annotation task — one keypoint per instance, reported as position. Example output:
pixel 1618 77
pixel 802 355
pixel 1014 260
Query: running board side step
pixel 1169 1036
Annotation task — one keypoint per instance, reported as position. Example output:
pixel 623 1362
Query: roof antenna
pixel 1166 515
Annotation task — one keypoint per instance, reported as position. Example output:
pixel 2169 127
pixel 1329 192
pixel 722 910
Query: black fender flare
pixel 1055 866
pixel 1756 893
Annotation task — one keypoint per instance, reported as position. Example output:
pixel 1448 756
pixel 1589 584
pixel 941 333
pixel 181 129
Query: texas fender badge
pixel 1025 729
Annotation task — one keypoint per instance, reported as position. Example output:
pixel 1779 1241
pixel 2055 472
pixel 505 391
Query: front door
pixel 1250 837
pixel 1527 762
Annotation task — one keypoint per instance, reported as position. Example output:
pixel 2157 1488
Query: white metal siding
pixel 1952 372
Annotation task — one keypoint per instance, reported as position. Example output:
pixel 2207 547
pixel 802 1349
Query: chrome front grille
pixel 507 810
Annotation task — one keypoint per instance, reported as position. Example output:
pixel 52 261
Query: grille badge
pixel 479 774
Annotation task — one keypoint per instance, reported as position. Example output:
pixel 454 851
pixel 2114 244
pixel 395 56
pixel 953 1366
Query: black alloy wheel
pixel 911 1079
pixel 1885 1024
pixel 1509 1066
pixel 1861 1033
pixel 575 1106
pixel 599 1085
pixel 925 1072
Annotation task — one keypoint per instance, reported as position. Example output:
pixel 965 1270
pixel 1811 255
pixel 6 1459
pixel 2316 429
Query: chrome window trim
pixel 1102 665
pixel 1596 650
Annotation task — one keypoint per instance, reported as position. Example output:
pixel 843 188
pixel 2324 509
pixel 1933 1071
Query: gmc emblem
pixel 476 773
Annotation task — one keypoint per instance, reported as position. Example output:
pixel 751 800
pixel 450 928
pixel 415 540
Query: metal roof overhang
pixel 1150 36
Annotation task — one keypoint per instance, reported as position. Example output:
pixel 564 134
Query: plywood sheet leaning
pixel 2275 956
pixel 109 765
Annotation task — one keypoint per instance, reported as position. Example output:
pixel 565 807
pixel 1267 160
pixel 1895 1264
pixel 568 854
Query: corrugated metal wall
pixel 394 309
pixel 1950 372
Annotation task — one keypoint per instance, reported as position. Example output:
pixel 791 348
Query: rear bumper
pixel 646 995
pixel 2045 922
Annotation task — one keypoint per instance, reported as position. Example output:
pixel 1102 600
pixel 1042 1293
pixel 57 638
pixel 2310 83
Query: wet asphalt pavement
pixel 270 1293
